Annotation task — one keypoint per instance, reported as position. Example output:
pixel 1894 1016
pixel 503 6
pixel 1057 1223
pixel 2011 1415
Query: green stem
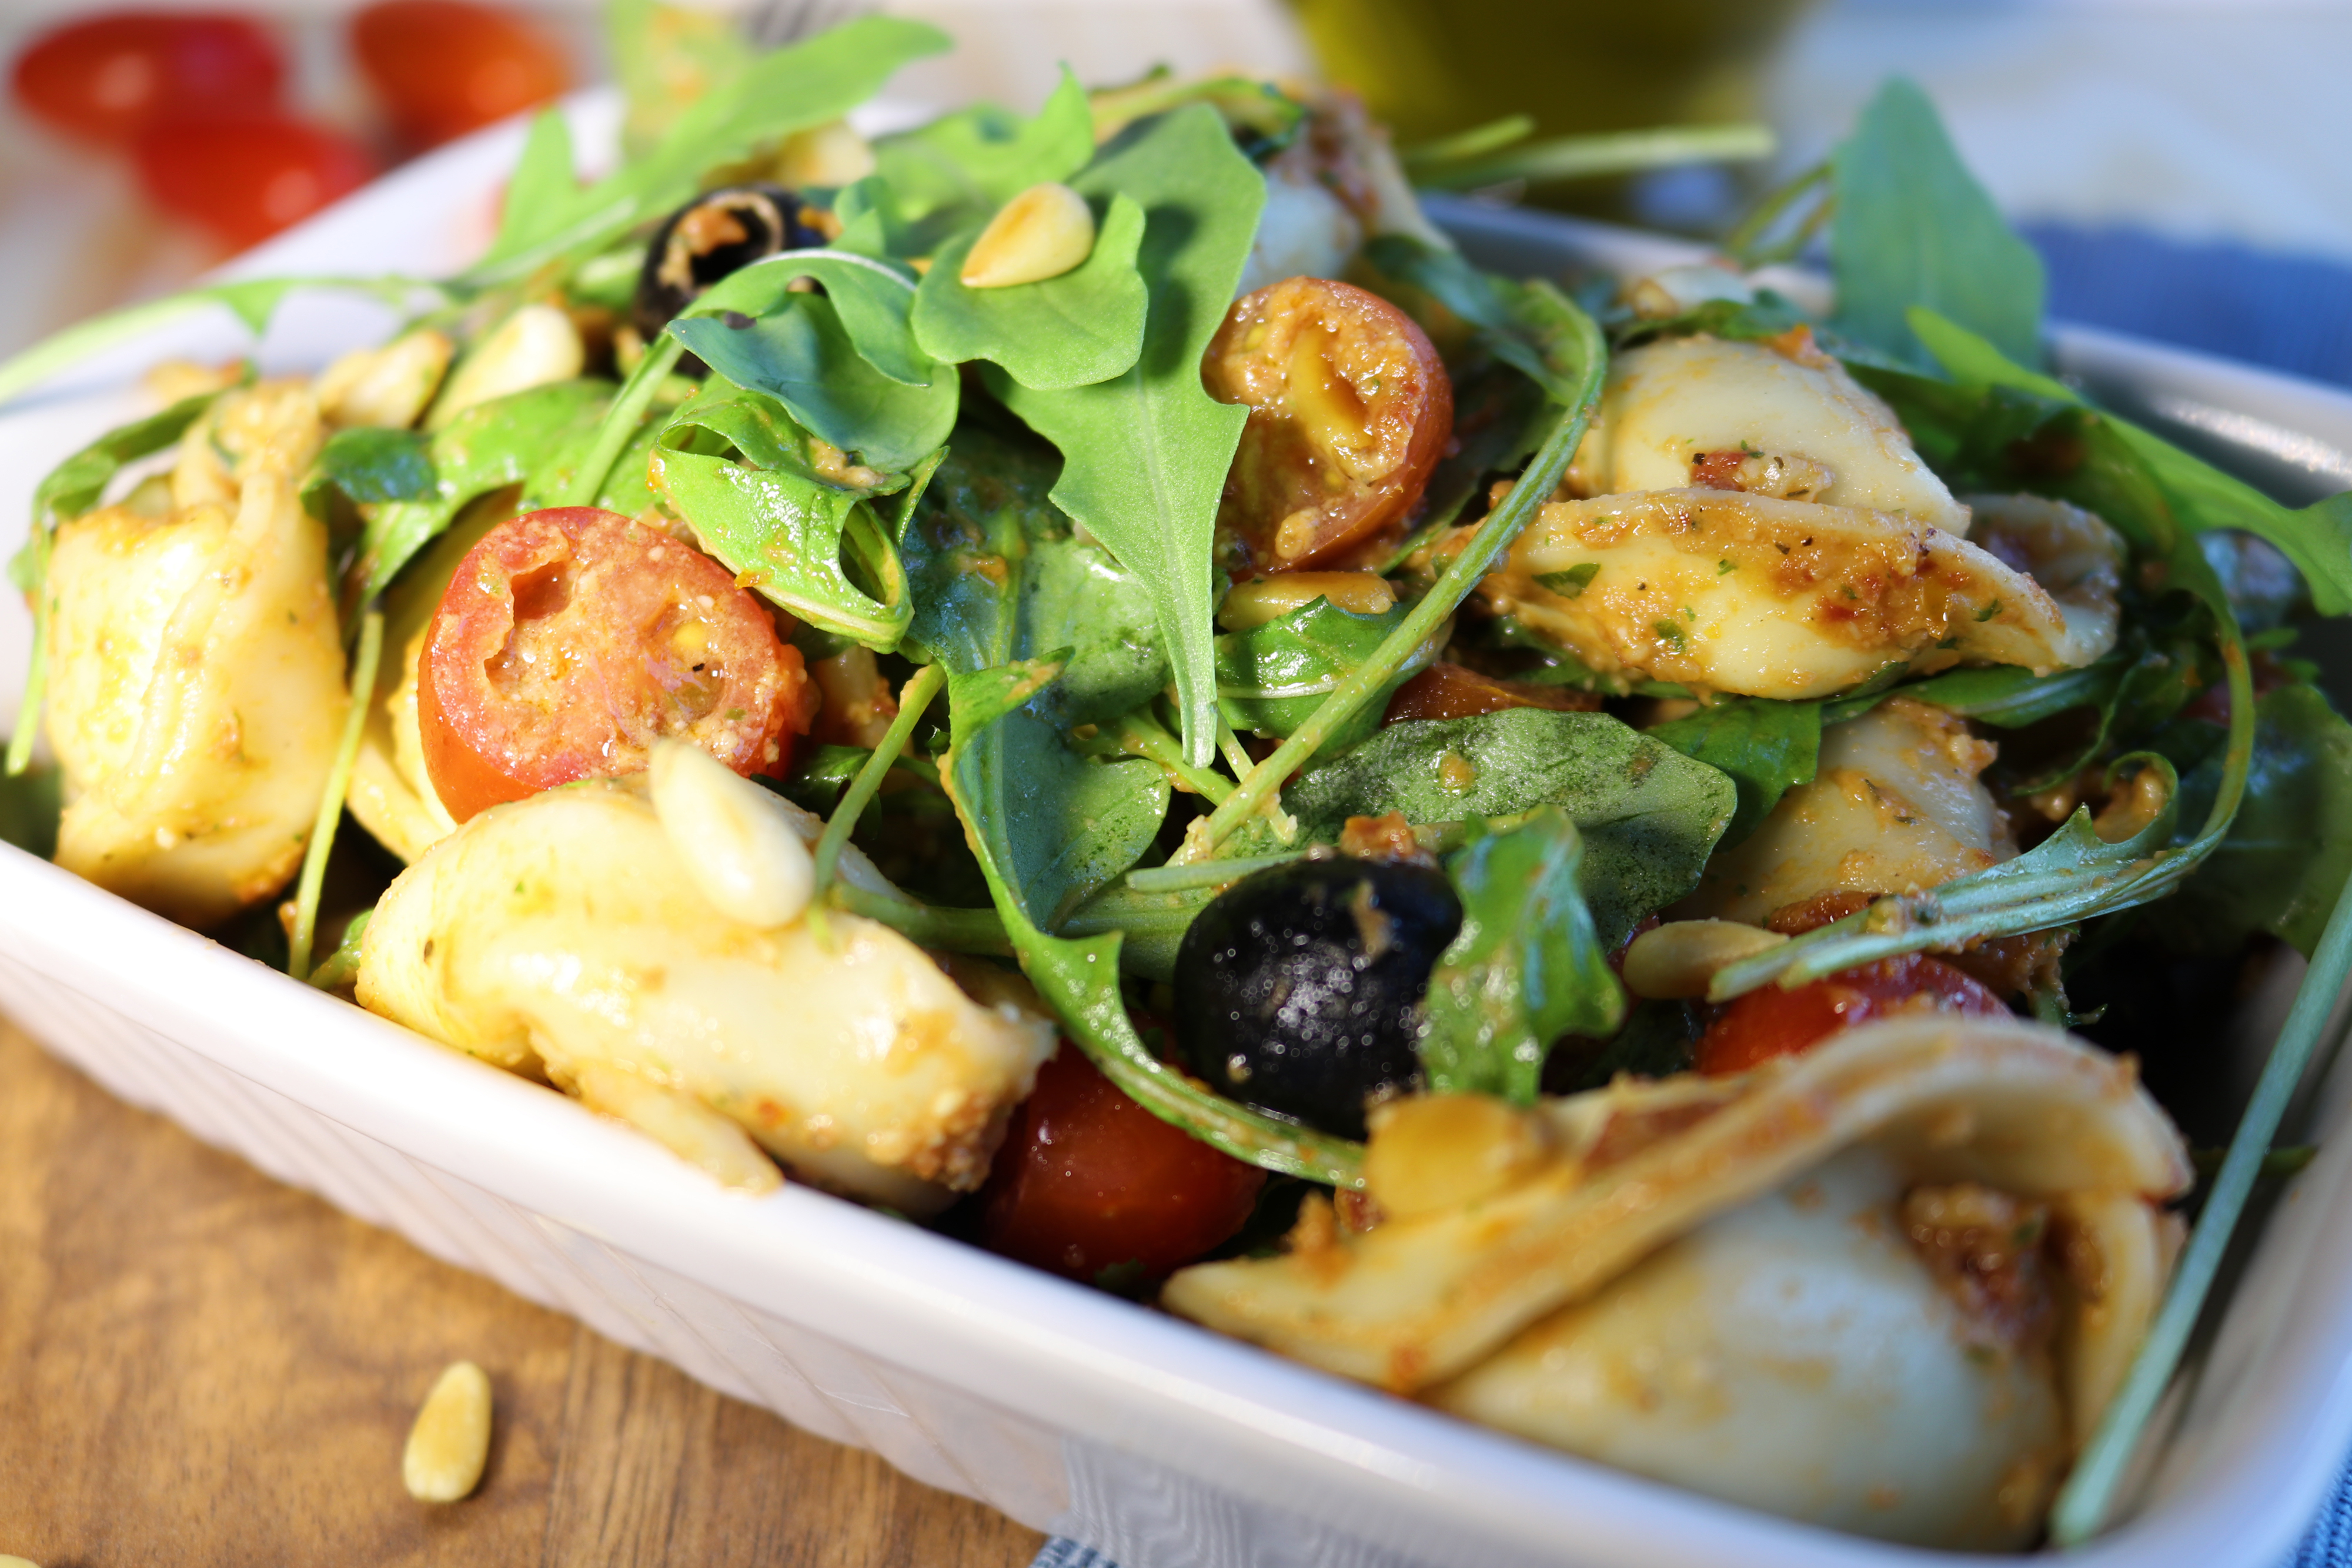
pixel 1742 241
pixel 1619 152
pixel 629 405
pixel 1204 874
pixel 927 926
pixel 1486 543
pixel 1139 737
pixel 331 802
pixel 917 695
pixel 1496 134
pixel 36 668
pixel 2083 1505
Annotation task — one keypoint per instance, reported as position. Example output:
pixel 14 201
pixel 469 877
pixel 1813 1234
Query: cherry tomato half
pixel 569 639
pixel 1772 1022
pixel 444 68
pixel 1350 408
pixel 107 79
pixel 1090 1180
pixel 247 176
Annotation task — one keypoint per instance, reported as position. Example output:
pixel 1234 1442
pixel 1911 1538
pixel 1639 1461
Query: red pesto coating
pixel 1088 1180
pixel 1349 410
pixel 570 638
pixel 1772 1022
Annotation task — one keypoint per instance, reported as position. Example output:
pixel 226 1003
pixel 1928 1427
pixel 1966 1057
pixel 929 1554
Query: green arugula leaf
pixel 987 536
pixel 1260 117
pixel 1914 229
pixel 1526 967
pixel 2012 697
pixel 971 163
pixel 1766 748
pixel 1084 327
pixel 489 446
pixel 543 185
pixel 2284 862
pixel 1272 677
pixel 736 465
pixel 787 90
pixel 1145 454
pixel 982 696
pixel 68 490
pixel 801 353
pixel 1649 815
pixel 30 804
pixel 872 295
pixel 368 465
pixel 2317 538
pixel 1531 327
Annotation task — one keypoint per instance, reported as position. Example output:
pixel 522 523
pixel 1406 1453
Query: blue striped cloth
pixel 2288 313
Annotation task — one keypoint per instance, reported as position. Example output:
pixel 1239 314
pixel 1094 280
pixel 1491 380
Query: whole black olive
pixel 717 232
pixel 1298 989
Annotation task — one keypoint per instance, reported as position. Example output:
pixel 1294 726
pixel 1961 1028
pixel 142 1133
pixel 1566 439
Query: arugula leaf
pixel 2317 538
pixel 1766 748
pixel 2285 860
pixel 1260 117
pixel 768 514
pixel 799 350
pixel 1145 454
pixel 1914 229
pixel 1649 815
pixel 71 488
pixel 1526 967
pixel 2012 697
pixel 491 445
pixel 976 160
pixel 1084 327
pixel 368 464
pixel 1271 677
pixel 1531 327
pixel 872 295
pixel 788 90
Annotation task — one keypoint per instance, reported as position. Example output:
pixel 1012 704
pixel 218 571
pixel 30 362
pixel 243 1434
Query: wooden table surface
pixel 200 1366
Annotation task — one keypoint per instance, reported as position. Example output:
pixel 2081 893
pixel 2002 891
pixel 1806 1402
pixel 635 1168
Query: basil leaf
pixel 1766 748
pixel 1084 327
pixel 787 90
pixel 976 160
pixel 1649 815
pixel 800 354
pixel 369 466
pixel 1145 454
pixel 1271 677
pixel 489 446
pixel 1914 230
pixel 735 465
pixel 1526 967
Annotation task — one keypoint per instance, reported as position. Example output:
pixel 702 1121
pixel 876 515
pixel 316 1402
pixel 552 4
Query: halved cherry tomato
pixel 444 68
pixel 1772 1022
pixel 1090 1180
pixel 107 79
pixel 1350 408
pixel 570 639
pixel 245 177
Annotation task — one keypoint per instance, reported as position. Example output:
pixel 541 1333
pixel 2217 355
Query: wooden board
pixel 200 1366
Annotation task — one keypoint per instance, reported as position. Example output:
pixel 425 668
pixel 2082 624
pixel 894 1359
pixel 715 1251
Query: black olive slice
pixel 718 233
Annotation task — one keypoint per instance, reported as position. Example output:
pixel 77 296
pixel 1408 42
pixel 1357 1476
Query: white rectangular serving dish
pixel 1072 1411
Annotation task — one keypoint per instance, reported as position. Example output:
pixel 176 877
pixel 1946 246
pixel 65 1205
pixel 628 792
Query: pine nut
pixel 451 1440
pixel 1264 599
pixel 736 846
pixel 1678 960
pixel 1042 233
pixel 8 1562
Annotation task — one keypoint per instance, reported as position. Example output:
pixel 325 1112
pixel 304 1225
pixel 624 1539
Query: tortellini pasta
pixel 1886 1285
pixel 1753 522
pixel 570 934
pixel 196 673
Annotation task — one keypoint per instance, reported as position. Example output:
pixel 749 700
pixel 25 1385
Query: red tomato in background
pixel 1772 1022
pixel 109 77
pixel 444 68
pixel 1089 1180
pixel 245 177
pixel 570 639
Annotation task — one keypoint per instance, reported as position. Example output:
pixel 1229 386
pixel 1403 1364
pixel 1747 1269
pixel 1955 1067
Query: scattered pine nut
pixel 8 1562
pixel 1042 233
pixel 451 1440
